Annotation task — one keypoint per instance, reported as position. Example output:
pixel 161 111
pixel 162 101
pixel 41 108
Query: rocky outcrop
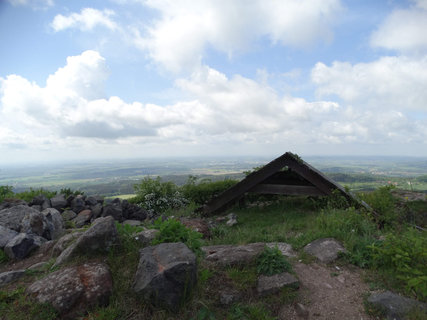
pixel 10 276
pixel 64 242
pixel 21 246
pixel 231 254
pixel 55 223
pixel 11 217
pixel 166 274
pixel 6 235
pixel 34 222
pixel 58 202
pixel 75 290
pixel 325 249
pixel 272 284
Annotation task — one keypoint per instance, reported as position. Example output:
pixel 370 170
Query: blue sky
pixel 148 78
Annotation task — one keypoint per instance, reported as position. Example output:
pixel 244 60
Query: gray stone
pixel 82 218
pixel 227 298
pixel 232 220
pixel 42 201
pixel 11 217
pixel 285 248
pixel 10 276
pixel 231 254
pixel 78 204
pixel 64 242
pixel 20 246
pixel 166 274
pixel 40 266
pixel 134 223
pixel 325 249
pixel 395 306
pixel 91 201
pixel 272 284
pixel 58 202
pixel 75 290
pixel 146 236
pixel 96 210
pixel 9 203
pixel 6 235
pixel 36 223
pixel 100 237
pixel 55 222
pixel 114 210
pixel 68 215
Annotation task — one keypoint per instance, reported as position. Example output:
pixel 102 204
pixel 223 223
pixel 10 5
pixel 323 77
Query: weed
pixel 3 256
pixel 271 261
pixel 243 278
pixel 249 311
pixel 29 195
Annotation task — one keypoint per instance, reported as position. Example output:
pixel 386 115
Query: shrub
pixel 157 196
pixel 205 190
pixel 5 192
pixel 383 202
pixel 172 230
pixel 29 195
pixel 68 192
pixel 271 261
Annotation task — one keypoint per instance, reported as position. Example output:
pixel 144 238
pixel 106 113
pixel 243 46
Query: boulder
pixel 42 201
pixel 100 237
pixel 285 248
pixel 96 210
pixel 166 274
pixel 21 246
pixel 55 222
pixel 395 306
pixel 11 217
pixel 272 284
pixel 68 215
pixel 64 242
pixel 91 201
pixel 58 202
pixel 146 236
pixel 114 210
pixel 10 276
pixel 9 203
pixel 75 290
pixel 6 235
pixel 135 223
pixel 325 249
pixel 35 222
pixel 78 204
pixel 82 218
pixel 231 254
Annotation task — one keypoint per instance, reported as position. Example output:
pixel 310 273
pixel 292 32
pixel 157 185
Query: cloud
pixel 404 30
pixel 385 84
pixel 186 29
pixel 86 20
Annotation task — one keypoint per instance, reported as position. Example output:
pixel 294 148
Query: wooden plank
pixel 286 190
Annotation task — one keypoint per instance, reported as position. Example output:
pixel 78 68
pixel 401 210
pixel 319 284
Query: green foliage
pixel 3 256
pixel 157 196
pixel 205 190
pixel 383 202
pixel 5 192
pixel 204 314
pixel 68 192
pixel 243 278
pixel 29 195
pixel 404 257
pixel 172 230
pixel 271 261
pixel 250 311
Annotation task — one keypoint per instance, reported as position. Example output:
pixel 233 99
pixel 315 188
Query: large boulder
pixel 166 274
pixel 9 203
pixel 58 202
pixel 10 276
pixel 35 222
pixel 231 254
pixel 64 242
pixel 100 237
pixel 325 249
pixel 82 218
pixel 114 210
pixel 78 204
pixel 11 217
pixel 22 245
pixel 272 284
pixel 55 222
pixel 75 290
pixel 6 235
pixel 42 201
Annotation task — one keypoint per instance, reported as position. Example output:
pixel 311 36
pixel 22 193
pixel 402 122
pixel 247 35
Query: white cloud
pixel 404 30
pixel 86 20
pixel 185 29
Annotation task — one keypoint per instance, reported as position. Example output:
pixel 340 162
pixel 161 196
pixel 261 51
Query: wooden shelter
pixel 287 175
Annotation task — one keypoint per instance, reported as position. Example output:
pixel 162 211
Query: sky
pixel 120 79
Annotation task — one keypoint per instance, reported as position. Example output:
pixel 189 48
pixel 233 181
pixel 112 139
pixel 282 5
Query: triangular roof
pixel 288 174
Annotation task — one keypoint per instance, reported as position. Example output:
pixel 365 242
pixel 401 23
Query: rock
pixel 100 237
pixel 55 222
pixel 9 203
pixel 35 222
pixel 73 291
pixel 58 202
pixel 78 204
pixel 166 274
pixel 64 242
pixel 10 276
pixel 82 218
pixel 113 210
pixel 198 225
pixel 232 254
pixel 42 201
pixel 40 266
pixel 68 215
pixel 285 248
pixel 227 298
pixel 11 217
pixel 325 249
pixel 91 201
pixel 96 210
pixel 146 236
pixel 272 284
pixel 20 246
pixel 395 306
pixel 134 223
pixel 6 235
pixel 232 220
pixel 37 207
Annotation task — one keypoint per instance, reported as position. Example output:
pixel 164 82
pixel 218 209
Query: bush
pixel 5 192
pixel 157 196
pixel 383 202
pixel 32 193
pixel 205 190
pixel 172 230
pixel 271 261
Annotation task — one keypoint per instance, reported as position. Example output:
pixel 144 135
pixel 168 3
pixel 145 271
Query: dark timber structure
pixel 287 175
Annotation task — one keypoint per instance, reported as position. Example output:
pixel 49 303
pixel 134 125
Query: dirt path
pixel 329 293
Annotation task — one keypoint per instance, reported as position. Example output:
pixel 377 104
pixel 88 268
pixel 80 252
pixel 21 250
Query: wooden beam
pixel 286 190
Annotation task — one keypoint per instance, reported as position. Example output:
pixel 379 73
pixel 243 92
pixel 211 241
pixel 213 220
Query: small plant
pixel 5 192
pixel 243 278
pixel 3 256
pixel 271 261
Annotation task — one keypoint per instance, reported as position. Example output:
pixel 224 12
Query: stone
pixel 6 235
pixel 166 274
pixel 91 201
pixel 96 210
pixel 325 249
pixel 113 210
pixel 42 201
pixel 9 203
pixel 134 223
pixel 68 215
pixel 35 222
pixel 146 236
pixel 100 237
pixel 75 290
pixel 227 298
pixel 55 222
pixel 40 266
pixel 232 254
pixel 395 306
pixel 272 284
pixel 58 202
pixel 10 276
pixel 11 217
pixel 198 225
pixel 20 246
pixel 64 242
pixel 78 204
pixel 232 220
pixel 285 248
pixel 82 218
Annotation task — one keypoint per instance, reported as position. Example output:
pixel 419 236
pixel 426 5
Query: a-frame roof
pixel 288 174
